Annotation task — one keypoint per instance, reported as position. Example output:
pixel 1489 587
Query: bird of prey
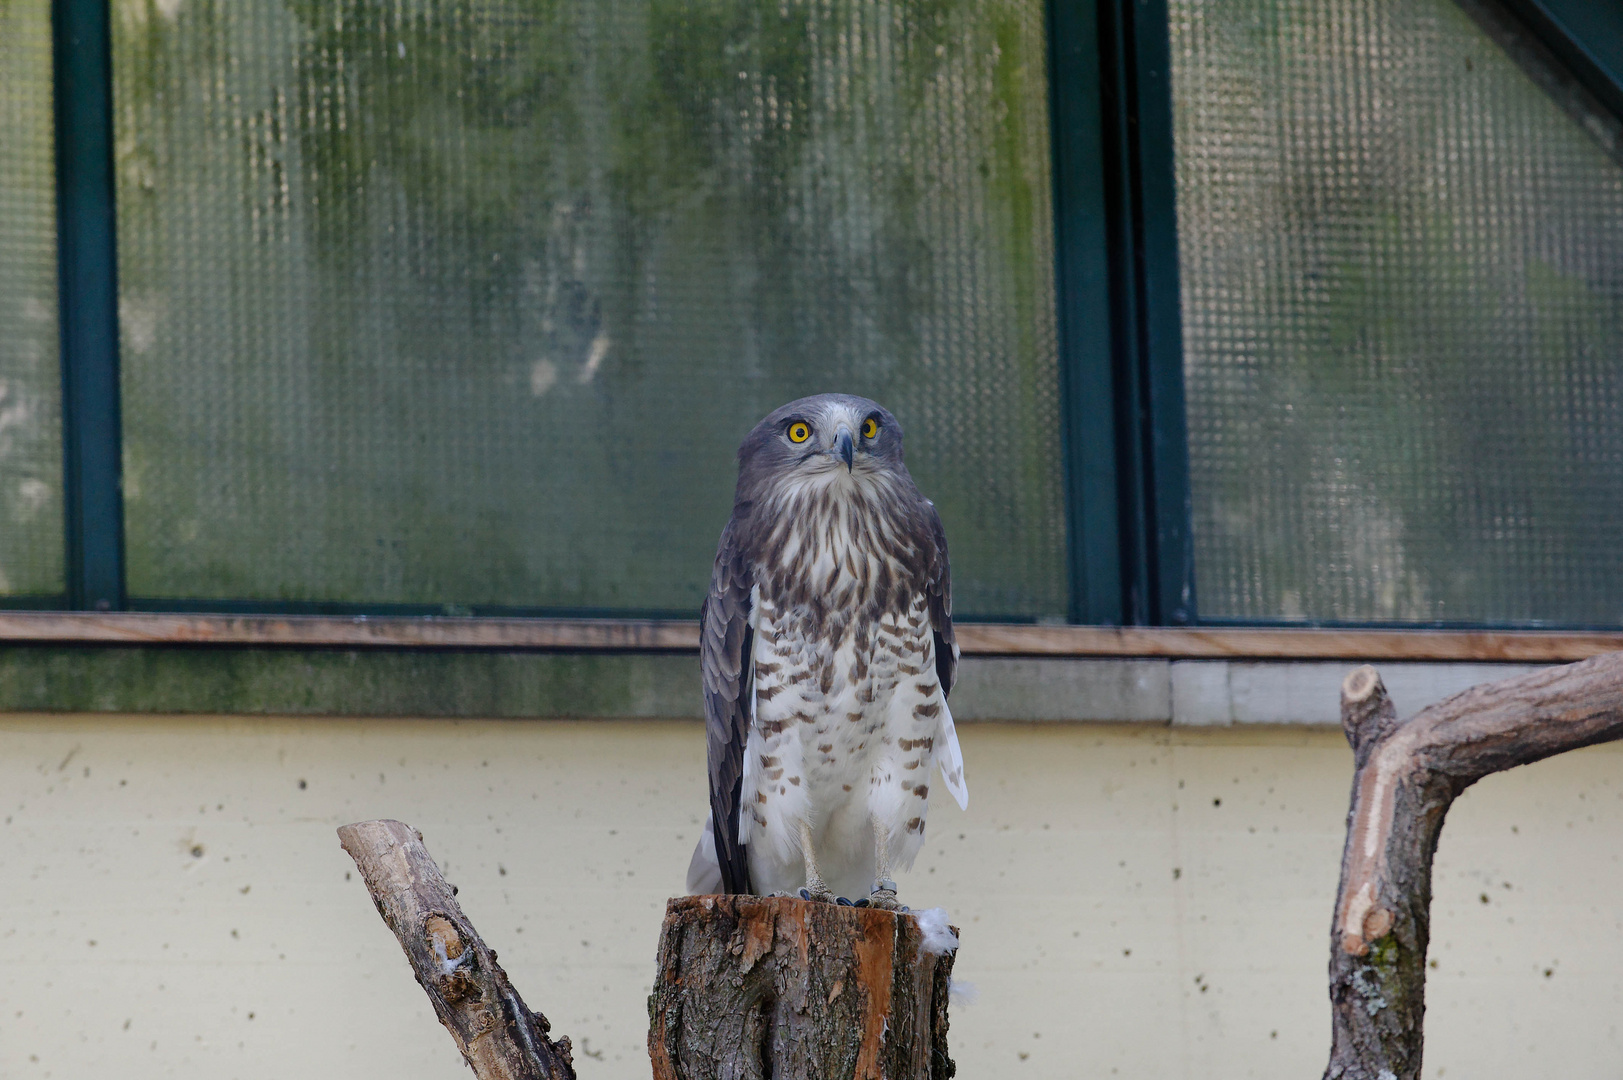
pixel 827 652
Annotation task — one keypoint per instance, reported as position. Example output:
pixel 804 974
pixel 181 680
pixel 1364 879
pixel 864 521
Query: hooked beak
pixel 844 446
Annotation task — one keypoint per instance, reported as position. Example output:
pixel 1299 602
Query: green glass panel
pixel 1402 267
pixel 471 303
pixel 31 545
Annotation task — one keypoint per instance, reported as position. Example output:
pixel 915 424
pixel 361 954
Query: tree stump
pixel 751 987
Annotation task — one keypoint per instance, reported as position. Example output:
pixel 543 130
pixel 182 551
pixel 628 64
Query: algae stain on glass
pixel 471 305
pixel 1403 323
pixel 31 521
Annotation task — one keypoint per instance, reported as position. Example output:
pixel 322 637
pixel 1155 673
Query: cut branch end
pixel 1367 712
pixel 1360 684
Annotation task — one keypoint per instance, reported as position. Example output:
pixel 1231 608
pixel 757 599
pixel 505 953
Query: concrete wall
pixel 1137 901
pixel 454 683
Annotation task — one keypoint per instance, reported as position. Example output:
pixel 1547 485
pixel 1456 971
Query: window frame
pixel 1583 36
pixel 87 304
pixel 1121 344
pixel 1123 427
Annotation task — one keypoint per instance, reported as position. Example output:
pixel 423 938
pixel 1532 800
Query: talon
pixel 843 902
pixel 861 901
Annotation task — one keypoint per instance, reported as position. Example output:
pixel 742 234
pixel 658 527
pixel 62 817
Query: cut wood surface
pixel 500 1038
pixel 1406 775
pixel 643 635
pixel 752 987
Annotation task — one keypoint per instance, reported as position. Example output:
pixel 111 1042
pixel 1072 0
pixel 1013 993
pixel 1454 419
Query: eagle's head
pixel 831 443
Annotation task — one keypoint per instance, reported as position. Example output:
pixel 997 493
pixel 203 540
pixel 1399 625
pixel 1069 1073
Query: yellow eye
pixel 870 428
pixel 799 432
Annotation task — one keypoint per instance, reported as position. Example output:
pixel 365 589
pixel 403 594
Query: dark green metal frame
pixel 87 274
pixel 1121 356
pixel 1121 350
pixel 1584 35
pixel 1083 273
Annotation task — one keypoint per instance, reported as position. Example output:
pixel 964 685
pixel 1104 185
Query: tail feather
pixel 704 872
pixel 951 760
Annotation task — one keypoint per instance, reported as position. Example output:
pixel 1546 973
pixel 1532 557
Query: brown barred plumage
pixel 831 587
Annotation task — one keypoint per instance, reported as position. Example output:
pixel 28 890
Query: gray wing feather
pixel 938 588
pixel 724 648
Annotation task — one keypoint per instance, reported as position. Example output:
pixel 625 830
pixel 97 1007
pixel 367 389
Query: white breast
pixel 846 728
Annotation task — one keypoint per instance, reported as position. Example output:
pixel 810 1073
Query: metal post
pixel 87 259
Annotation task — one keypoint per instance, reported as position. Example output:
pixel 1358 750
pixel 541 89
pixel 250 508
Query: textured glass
pixel 1402 271
pixel 30 380
pixel 470 303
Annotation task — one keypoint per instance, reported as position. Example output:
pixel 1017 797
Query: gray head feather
pixel 774 453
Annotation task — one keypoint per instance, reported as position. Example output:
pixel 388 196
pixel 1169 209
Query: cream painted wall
pixel 1136 901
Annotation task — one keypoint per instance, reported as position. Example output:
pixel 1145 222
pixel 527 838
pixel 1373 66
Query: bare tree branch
pixel 1407 775
pixel 500 1038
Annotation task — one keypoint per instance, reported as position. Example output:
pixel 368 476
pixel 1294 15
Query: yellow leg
pixel 814 880
pixel 884 889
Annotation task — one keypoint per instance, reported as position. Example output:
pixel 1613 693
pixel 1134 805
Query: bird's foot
pixel 820 893
pixel 884 896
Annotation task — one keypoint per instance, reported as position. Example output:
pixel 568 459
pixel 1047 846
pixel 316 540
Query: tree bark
pixel 500 1038
pixel 752 987
pixel 1406 777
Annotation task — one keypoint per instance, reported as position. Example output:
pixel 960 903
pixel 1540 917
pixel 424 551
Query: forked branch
pixel 1407 775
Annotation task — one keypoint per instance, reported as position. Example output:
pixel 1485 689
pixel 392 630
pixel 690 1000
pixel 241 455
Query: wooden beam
pixel 1505 646
pixel 347 631
pixel 632 635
